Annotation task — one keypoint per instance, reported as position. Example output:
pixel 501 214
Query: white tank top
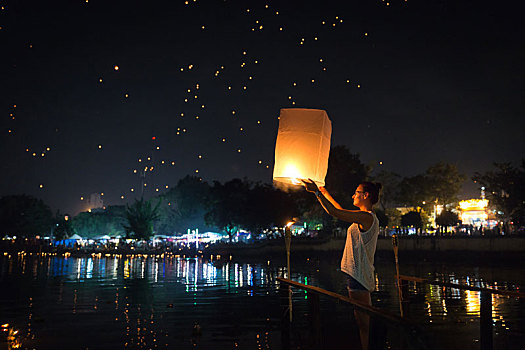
pixel 358 256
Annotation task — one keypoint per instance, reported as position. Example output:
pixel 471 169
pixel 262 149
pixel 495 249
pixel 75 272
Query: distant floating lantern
pixel 303 146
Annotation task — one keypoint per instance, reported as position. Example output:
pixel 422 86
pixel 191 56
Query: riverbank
pixel 494 248
pixel 449 248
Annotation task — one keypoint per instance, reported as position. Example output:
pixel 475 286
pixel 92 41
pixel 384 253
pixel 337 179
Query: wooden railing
pixel 409 328
pixel 486 339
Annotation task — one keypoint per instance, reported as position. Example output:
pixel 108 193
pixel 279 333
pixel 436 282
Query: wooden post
pixel 285 316
pixel 315 320
pixel 485 319
pixel 399 293
pixel 404 297
pixel 288 241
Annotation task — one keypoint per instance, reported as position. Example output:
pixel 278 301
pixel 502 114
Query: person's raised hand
pixel 310 185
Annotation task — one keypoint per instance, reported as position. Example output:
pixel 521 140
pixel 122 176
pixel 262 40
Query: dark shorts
pixel 353 284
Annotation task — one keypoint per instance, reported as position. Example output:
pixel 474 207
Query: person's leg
pixel 362 318
pixel 359 293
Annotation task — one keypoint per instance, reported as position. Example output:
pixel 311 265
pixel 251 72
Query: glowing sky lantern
pixel 302 146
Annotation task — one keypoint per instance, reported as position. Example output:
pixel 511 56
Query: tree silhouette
pixel 268 207
pixel 63 228
pixel 444 183
pixel 505 189
pixel 382 217
pixel 440 184
pixel 411 219
pixel 140 217
pixel 345 173
pixel 390 191
pixel 251 206
pixel 445 219
pixel 413 191
pixel 184 205
pixel 227 205
pixel 25 216
pixel 109 221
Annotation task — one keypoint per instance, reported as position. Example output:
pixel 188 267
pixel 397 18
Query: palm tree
pixel 140 216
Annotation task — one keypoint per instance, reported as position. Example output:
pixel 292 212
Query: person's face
pixel 359 196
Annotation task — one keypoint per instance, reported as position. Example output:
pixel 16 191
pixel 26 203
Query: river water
pixel 227 303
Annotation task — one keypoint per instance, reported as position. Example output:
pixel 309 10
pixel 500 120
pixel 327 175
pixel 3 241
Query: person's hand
pixel 310 185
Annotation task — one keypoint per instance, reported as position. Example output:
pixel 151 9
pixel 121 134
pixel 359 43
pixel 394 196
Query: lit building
pixel 474 212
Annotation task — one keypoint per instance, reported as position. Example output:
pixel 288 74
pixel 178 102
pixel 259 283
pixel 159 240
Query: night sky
pixel 91 89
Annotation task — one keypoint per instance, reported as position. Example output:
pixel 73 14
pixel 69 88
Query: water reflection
pixel 150 301
pixel 472 302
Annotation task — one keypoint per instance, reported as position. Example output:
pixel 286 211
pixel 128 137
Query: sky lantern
pixel 302 146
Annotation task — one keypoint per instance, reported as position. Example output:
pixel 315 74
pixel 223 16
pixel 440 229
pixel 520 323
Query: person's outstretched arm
pixel 363 218
pixel 328 196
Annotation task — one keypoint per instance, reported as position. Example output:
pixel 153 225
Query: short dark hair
pixel 373 189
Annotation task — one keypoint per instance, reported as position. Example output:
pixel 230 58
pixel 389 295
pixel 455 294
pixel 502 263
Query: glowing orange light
pixel 302 146
pixel 474 204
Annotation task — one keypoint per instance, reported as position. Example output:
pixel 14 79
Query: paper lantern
pixel 302 146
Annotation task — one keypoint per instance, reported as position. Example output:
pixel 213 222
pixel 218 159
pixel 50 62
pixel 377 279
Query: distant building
pixel 473 211
pixel 95 202
pixel 476 212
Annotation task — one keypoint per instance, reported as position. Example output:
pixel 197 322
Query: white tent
pixel 75 237
pixel 106 237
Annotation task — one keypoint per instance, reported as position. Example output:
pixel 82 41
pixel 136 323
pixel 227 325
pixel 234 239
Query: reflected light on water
pixel 472 302
pixel 156 300
pixel 444 304
pixel 127 268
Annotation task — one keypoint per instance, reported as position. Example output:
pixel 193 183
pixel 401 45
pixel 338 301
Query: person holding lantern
pixel 358 257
